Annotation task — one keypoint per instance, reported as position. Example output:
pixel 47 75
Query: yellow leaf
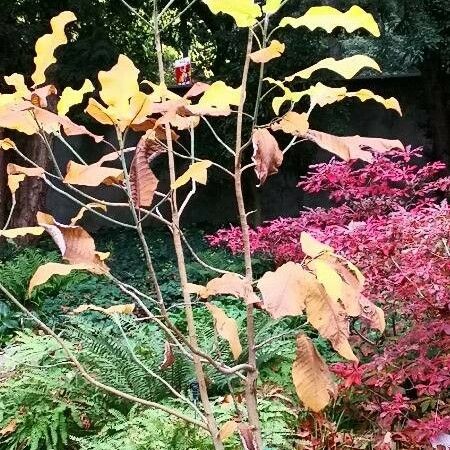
pixel 312 378
pixel 351 147
pixel 329 319
pixel 226 328
pixel 289 95
pixel 71 97
pixel 14 182
pixel 347 67
pixel 330 279
pixel 7 144
pixel 47 44
pixel 220 96
pixel 84 209
pixel 272 6
pixel 19 232
pixel 18 82
pixel 161 93
pixel 244 12
pixel 274 50
pixel 388 103
pixel 293 123
pixel 197 171
pixel 98 112
pixel 227 430
pixel 46 271
pixel 329 18
pixel 285 291
pixel 323 95
pixel 116 309
pixel 312 247
pixel 93 174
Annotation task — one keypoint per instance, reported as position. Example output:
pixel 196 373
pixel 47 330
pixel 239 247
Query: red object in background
pixel 183 71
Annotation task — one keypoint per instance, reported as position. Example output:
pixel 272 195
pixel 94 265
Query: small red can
pixel 183 71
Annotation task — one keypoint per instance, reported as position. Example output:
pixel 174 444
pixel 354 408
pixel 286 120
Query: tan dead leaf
pixel 116 309
pixel 93 174
pixel 227 284
pixel 7 144
pixel 267 155
pixel 227 430
pixel 14 182
pixel 312 378
pixel 47 44
pixel 142 179
pixel 196 89
pixel 373 314
pixel 15 169
pixel 75 243
pixel 46 271
pixel 197 172
pixel 293 123
pixel 247 436
pixel 9 428
pixel 274 50
pixel 352 147
pixel 312 247
pixel 329 318
pixel 153 130
pixel 179 121
pixel 13 233
pixel 81 212
pixel 285 291
pixel 169 357
pixel 226 328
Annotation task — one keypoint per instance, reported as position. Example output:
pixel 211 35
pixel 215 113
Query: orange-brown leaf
pixel 274 50
pixel 267 155
pixel 373 314
pixel 9 428
pixel 14 169
pixel 312 379
pixel 285 291
pixel 293 123
pixel 169 357
pixel 229 284
pixel 227 430
pixel 226 328
pixel 352 147
pixel 142 179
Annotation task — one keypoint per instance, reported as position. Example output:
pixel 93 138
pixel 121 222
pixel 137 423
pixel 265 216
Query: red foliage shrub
pixel 391 219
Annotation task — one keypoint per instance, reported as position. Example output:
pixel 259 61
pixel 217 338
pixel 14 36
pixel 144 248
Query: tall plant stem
pixel 252 375
pixel 212 425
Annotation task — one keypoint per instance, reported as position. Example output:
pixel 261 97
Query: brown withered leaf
pixel 169 357
pixel 75 243
pixel 274 50
pixel 226 328
pixel 285 291
pixel 329 318
pixel 15 169
pixel 293 123
pixel 312 379
pixel 227 430
pixel 247 436
pixel 372 314
pixel 267 155
pixel 93 174
pixel 352 147
pixel 159 131
pixel 9 428
pixel 142 179
pixel 196 89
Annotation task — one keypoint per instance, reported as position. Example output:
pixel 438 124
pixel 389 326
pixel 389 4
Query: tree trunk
pixel 3 186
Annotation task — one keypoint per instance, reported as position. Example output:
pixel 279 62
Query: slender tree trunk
pixel 3 186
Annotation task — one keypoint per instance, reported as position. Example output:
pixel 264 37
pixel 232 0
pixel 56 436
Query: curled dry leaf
pixel 351 147
pixel 47 44
pixel 227 430
pixel 116 309
pixel 247 436
pixel 312 379
pixel 94 174
pixel 196 89
pixel 142 179
pixel 284 292
pixel 292 123
pixel 274 50
pixel 312 247
pixel 227 284
pixel 346 67
pixel 81 212
pixel 169 357
pixel 226 328
pixel 372 314
pixel 14 169
pixel 267 155
pixel 46 271
pixel 197 172
pixel 14 233
pixel 7 144
pixel 329 18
